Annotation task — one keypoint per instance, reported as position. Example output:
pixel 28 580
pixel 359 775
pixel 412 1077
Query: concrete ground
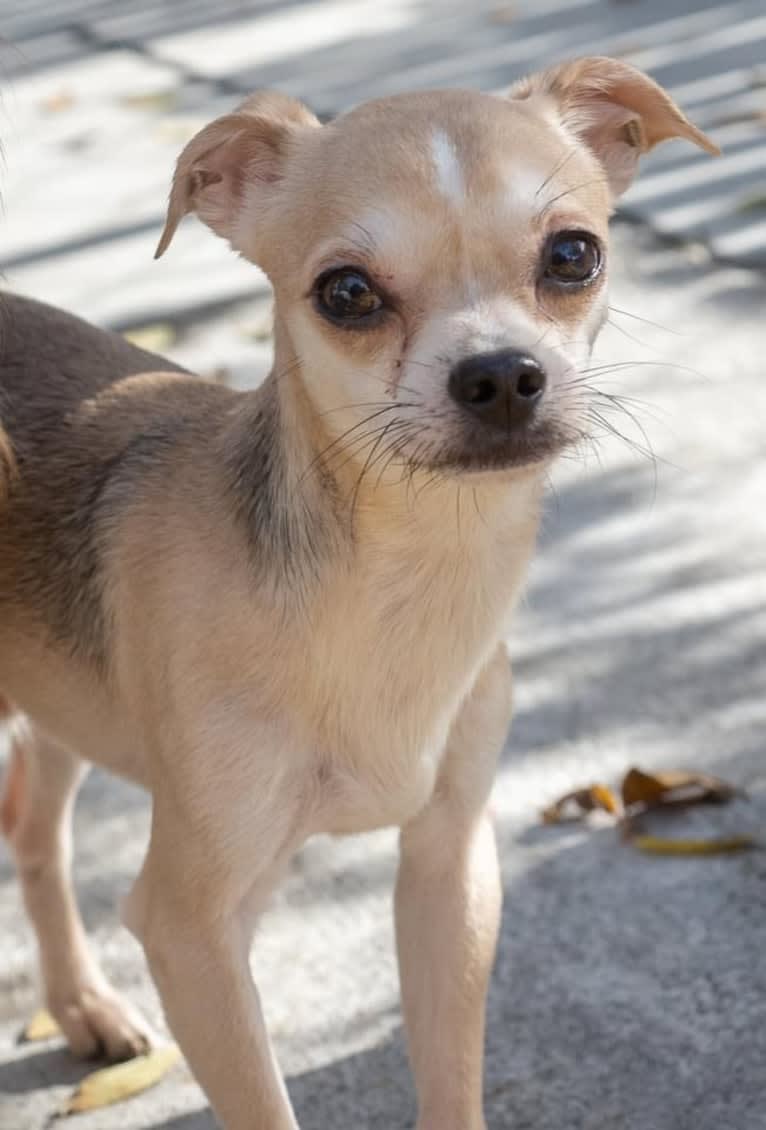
pixel 629 992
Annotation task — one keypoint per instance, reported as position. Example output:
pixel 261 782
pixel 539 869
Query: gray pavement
pixel 630 992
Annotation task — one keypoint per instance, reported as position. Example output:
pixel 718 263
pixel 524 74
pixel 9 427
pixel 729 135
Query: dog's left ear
pixel 240 153
pixel 616 110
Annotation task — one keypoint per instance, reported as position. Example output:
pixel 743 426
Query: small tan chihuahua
pixel 283 611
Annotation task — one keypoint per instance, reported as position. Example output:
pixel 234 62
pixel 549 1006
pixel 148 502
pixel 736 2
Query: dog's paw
pixel 97 1022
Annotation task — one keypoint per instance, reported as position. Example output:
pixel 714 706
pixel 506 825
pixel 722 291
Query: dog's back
pixel 56 454
pixel 50 360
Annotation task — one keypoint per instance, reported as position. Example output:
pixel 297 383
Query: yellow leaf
pixel 42 1026
pixel 114 1084
pixel 605 798
pixel 575 805
pixel 656 845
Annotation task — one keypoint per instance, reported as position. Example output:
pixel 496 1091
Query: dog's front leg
pixel 215 854
pixel 448 900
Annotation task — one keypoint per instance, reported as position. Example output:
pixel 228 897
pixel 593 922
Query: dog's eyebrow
pixel 354 242
pixel 362 238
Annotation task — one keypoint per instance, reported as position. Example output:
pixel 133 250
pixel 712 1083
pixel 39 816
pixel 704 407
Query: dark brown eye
pixel 572 258
pixel 347 296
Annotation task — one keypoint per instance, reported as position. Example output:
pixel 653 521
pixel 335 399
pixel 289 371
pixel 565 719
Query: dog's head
pixel 439 260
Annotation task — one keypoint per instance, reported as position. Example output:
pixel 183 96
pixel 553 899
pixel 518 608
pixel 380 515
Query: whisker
pixel 422 364
pixel 647 452
pixel 476 506
pixel 342 437
pixel 620 366
pixel 397 447
pixel 628 403
pixel 370 404
pixel 556 170
pixel 567 192
pixel 365 468
pixel 358 445
pixel 286 371
pixel 646 321
pixel 629 336
pixel 389 384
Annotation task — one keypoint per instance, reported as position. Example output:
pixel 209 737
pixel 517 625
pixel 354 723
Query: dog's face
pixel 439 260
pixel 449 281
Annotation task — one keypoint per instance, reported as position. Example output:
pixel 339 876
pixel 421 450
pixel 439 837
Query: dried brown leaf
pixel 672 786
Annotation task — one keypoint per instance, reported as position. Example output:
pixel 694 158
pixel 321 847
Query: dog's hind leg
pixel 35 812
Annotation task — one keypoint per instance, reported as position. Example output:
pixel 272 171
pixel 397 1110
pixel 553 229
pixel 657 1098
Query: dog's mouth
pixel 479 450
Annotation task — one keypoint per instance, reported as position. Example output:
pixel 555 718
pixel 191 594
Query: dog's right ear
pixel 241 153
pixel 617 111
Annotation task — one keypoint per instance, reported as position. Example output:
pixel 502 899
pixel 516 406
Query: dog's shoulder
pixel 86 415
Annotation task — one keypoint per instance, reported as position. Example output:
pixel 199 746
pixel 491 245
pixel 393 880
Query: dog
pixel 283 610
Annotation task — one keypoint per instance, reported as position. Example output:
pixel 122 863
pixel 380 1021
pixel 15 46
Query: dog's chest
pixel 363 796
pixel 394 672
pixel 388 706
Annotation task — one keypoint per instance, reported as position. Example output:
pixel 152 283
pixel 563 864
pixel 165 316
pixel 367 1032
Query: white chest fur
pixel 398 646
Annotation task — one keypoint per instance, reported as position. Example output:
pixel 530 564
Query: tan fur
pixel 282 611
pixel 619 112
pixel 7 466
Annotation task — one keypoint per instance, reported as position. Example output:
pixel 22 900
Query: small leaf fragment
pixel 752 203
pixel 41 1026
pixel 115 1084
pixel 657 845
pixel 160 100
pixel 154 337
pixel 503 14
pixel 575 805
pixel 57 102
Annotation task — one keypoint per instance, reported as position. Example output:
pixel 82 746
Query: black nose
pixel 501 388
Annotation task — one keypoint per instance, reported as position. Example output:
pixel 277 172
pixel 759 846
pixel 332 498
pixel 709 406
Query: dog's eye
pixel 572 257
pixel 347 295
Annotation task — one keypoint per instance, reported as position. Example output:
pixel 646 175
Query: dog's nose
pixel 501 388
